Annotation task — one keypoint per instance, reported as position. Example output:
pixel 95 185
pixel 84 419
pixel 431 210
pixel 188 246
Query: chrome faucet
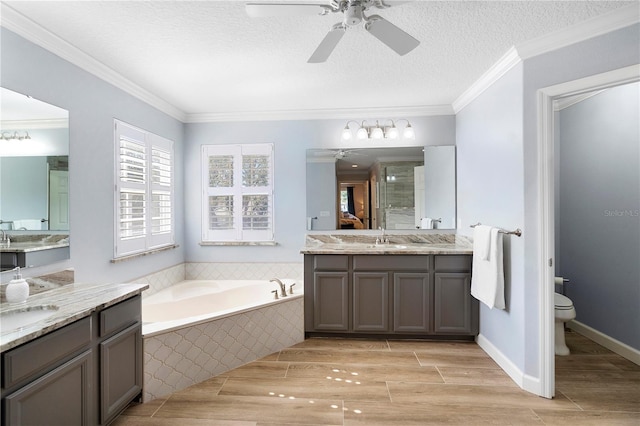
pixel 283 289
pixel 382 239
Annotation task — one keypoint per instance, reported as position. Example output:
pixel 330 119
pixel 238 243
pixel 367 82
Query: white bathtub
pixel 196 301
pixel 194 330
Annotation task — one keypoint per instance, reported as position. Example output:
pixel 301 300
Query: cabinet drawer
pixel 120 316
pixel 453 263
pixel 45 353
pixel 331 262
pixel 389 263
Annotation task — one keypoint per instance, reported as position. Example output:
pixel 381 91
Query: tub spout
pixel 283 289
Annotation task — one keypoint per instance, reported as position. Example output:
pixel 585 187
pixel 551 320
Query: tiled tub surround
pixel 72 302
pixel 424 243
pixel 182 357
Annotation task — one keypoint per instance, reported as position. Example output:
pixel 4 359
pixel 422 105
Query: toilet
pixel 564 311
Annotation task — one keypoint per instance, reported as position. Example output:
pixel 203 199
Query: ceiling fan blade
pixel 259 10
pixel 327 45
pixel 398 40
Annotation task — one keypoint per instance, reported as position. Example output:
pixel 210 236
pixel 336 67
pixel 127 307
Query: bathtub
pixel 197 329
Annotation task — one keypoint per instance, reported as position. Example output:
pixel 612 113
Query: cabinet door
pixel 60 397
pixel 121 371
pixel 331 301
pixel 370 301
pixel 411 302
pixel 452 297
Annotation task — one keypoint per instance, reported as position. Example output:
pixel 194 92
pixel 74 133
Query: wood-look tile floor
pixel 393 383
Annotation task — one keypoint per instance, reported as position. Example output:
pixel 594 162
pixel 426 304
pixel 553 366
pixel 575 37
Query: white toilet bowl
pixel 564 311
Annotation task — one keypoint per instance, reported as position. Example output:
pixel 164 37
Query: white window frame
pixel 237 234
pixel 148 237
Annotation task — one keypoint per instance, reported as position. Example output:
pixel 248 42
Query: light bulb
pixel 362 133
pixel 409 133
pixel 346 133
pixel 392 133
pixel 377 133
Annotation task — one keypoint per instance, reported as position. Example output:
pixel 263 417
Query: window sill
pixel 238 243
pixel 143 253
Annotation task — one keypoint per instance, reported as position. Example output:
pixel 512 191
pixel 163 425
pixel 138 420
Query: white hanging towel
pixel 487 275
pixel 426 223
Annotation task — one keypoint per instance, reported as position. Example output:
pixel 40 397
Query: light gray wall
pixel 599 211
pixel 608 52
pixel 92 105
pixel 490 191
pixel 291 140
pixel 498 178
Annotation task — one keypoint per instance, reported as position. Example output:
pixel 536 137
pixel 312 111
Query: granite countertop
pixel 398 244
pixel 73 302
pixel 36 242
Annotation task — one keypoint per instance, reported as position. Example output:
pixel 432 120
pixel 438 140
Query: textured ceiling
pixel 210 57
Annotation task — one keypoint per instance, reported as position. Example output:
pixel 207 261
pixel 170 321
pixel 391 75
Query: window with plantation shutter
pixel 237 203
pixel 144 191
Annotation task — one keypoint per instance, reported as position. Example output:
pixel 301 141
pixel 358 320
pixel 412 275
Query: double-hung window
pixel 144 196
pixel 237 202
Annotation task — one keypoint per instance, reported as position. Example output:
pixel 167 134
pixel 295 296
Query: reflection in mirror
pixel 371 188
pixel 34 165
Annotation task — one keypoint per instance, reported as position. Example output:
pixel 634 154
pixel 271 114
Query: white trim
pixel 546 252
pixel 320 114
pixel 615 20
pixel 563 103
pixel 608 342
pixel 25 27
pixel 493 74
pixel 546 98
pixel 593 27
pixel 526 382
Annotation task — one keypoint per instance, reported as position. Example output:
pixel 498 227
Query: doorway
pixel 547 99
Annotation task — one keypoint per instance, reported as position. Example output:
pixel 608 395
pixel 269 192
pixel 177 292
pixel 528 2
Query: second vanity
pixel 78 363
pixel 414 286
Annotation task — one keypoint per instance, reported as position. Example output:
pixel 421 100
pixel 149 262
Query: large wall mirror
pixel 34 165
pixel 404 188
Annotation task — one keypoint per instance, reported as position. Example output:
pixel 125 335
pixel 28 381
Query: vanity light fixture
pixel 386 131
pixel 7 136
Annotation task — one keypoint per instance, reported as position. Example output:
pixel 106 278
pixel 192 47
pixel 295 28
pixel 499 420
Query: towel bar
pixel 517 232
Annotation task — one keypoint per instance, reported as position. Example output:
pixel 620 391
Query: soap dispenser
pixel 17 289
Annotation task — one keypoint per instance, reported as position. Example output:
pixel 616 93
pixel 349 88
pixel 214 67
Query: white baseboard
pixel 525 381
pixel 608 342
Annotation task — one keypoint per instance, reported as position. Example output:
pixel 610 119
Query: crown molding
pixel 562 103
pixel 493 74
pixel 617 19
pixel 24 27
pixel 320 114
pixel 596 26
pixel 593 27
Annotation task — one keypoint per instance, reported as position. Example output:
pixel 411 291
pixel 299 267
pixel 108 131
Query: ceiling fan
pixel 353 12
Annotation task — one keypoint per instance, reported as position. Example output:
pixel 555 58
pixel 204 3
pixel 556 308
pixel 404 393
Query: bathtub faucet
pixel 283 289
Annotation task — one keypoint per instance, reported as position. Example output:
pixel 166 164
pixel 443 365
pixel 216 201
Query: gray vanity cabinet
pixel 370 302
pixel 455 310
pixel 84 373
pixel 411 302
pixel 412 295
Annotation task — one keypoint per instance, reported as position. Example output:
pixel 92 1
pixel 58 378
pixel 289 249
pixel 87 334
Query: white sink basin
pixel 15 319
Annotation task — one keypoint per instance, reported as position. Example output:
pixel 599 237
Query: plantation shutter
pixel 144 191
pixel 237 183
